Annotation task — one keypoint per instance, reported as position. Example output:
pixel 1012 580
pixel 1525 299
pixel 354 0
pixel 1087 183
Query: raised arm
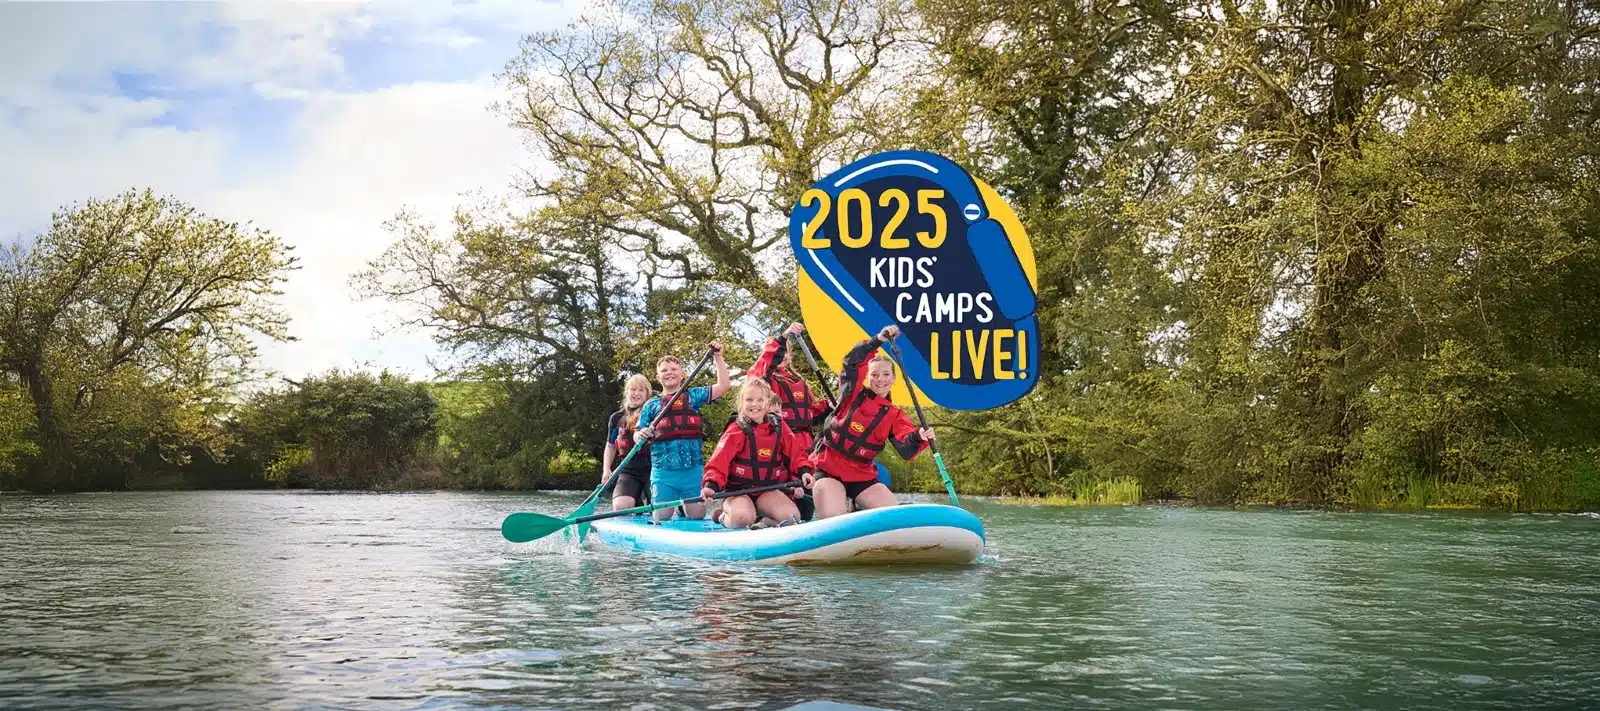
pixel 724 383
pixel 771 356
pixel 861 352
pixel 853 376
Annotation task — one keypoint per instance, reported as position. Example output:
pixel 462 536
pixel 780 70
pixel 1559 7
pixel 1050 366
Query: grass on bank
pixel 1124 491
pixel 1566 483
pixel 1570 486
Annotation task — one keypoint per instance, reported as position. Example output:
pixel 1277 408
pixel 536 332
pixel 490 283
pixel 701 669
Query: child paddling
pixel 865 421
pixel 802 409
pixel 757 448
pixel 676 462
pixel 632 488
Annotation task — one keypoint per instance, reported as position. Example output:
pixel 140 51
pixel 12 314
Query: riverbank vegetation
pixel 1289 253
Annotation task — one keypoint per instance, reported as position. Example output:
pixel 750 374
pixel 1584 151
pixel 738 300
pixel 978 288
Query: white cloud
pixel 351 161
pixel 41 43
pixel 286 44
pixel 274 90
pixel 363 157
pixel 453 39
pixel 57 153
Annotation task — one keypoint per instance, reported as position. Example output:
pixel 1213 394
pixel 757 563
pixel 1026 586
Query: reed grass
pixel 1123 491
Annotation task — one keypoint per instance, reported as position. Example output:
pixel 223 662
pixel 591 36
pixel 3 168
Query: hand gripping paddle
pixel 588 505
pixel 949 486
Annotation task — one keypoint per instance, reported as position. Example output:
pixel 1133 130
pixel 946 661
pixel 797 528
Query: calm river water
pixel 275 600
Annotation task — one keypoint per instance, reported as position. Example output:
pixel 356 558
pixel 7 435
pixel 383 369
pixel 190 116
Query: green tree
pixel 359 429
pixel 1311 251
pixel 337 430
pixel 134 290
pixel 17 445
pixel 541 305
pixel 1365 185
pixel 689 128
pixel 1064 104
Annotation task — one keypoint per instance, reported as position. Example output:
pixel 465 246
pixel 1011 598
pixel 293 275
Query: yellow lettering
pixel 1001 355
pixel 898 196
pixel 927 206
pixel 858 196
pixel 933 359
pixel 955 355
pixel 1022 353
pixel 979 354
pixel 808 240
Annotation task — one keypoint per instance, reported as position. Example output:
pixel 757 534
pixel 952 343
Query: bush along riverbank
pixel 383 432
pixel 1580 491
pixel 1571 484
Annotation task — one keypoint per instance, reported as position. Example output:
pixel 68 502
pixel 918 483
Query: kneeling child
pixel 756 449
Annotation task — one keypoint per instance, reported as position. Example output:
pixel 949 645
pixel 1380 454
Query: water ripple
pixel 412 601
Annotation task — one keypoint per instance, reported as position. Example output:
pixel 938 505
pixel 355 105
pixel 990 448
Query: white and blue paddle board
pixel 913 533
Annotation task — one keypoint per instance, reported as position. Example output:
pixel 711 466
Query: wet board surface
pixel 907 534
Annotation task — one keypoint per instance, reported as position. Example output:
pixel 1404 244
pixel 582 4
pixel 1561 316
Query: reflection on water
pixel 361 601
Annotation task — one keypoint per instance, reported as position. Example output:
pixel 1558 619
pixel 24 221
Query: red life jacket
pixel 857 436
pixel 624 440
pixel 762 459
pixel 679 421
pixel 795 398
pixel 624 444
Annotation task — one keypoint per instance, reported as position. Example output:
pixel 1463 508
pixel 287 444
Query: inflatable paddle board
pixel 912 533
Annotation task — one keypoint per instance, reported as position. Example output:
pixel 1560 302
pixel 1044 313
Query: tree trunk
pixel 1349 257
pixel 52 470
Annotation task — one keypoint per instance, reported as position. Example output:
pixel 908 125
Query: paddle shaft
pixel 822 377
pixel 683 389
pixel 647 508
pixel 916 402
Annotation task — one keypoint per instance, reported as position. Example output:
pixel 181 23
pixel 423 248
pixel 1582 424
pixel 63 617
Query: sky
pixel 315 120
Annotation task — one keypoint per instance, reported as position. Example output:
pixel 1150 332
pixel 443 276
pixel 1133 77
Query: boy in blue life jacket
pixel 676 460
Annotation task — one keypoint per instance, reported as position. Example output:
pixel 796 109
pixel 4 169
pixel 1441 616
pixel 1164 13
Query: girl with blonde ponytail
pixel 633 482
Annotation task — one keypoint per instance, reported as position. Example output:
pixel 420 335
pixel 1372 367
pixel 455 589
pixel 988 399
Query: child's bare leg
pixel 777 505
pixel 738 512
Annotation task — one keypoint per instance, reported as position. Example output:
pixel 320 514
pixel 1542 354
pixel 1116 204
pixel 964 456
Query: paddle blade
pixel 584 510
pixel 522 527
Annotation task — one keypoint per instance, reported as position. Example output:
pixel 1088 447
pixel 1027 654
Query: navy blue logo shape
pixel 906 238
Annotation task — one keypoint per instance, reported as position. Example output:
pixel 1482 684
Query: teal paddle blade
pixel 523 527
pixel 585 510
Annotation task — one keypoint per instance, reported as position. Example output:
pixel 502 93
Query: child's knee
pixel 738 519
pixel 782 509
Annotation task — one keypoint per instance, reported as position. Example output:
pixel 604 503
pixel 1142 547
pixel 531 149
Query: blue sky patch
pixel 383 58
pixel 85 77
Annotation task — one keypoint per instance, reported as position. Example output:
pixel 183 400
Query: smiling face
pixel 753 403
pixel 638 392
pixel 880 377
pixel 670 374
